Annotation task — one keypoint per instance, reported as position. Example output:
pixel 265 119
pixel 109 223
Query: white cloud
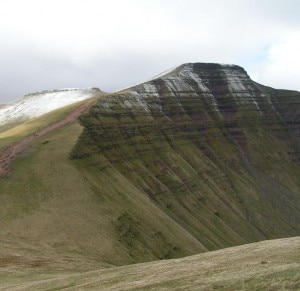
pixel 280 69
pixel 116 43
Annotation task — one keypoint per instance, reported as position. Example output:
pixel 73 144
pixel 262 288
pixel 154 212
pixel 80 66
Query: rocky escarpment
pixel 215 151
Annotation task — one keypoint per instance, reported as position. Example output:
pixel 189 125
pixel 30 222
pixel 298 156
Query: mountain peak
pixel 196 67
pixel 209 79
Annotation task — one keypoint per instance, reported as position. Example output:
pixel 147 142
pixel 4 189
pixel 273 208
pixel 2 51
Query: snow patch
pixel 39 103
pixel 236 85
pixel 188 73
pixel 150 88
pixel 134 100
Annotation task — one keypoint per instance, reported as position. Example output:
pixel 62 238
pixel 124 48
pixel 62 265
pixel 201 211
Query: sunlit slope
pixel 213 150
pixel 268 265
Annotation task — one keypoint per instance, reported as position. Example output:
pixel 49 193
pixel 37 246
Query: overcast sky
pixel 113 44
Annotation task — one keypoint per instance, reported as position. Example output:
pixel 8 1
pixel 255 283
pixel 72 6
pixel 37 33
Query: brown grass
pixel 268 265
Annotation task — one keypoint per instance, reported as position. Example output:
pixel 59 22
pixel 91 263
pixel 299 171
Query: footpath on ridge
pixel 9 154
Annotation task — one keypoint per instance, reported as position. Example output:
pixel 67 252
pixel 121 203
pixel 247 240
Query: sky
pixel 112 44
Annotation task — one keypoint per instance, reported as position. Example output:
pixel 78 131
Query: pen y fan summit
pixel 215 151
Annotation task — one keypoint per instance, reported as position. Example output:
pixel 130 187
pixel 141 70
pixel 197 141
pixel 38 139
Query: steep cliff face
pixel 217 153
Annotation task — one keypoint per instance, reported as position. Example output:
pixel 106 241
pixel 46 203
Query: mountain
pixel 197 159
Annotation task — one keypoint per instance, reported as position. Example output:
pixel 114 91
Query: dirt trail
pixel 7 156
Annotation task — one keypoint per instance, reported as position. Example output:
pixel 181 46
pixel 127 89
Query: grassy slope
pixel 268 265
pixel 52 210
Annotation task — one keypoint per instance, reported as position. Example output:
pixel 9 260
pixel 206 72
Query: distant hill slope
pixel 213 150
pixel 36 104
pixel 268 265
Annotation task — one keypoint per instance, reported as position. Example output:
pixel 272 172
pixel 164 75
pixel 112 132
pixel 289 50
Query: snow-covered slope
pixel 37 104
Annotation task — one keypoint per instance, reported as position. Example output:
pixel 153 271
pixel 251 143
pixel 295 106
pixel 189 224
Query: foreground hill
pixel 268 265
